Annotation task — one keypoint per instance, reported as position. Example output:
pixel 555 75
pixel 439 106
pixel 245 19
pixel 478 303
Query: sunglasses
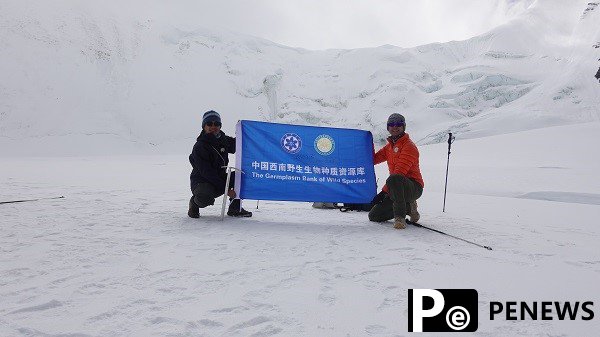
pixel 395 124
pixel 213 124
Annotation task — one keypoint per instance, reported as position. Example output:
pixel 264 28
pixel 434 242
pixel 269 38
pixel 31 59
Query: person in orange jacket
pixel 405 184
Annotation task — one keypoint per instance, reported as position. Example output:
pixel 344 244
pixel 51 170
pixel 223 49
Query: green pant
pixel 401 191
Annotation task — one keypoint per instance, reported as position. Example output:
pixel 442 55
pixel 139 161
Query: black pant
pixel 206 193
pixel 401 191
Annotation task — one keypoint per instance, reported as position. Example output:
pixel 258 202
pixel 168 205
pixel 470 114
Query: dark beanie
pixel 210 116
pixel 396 118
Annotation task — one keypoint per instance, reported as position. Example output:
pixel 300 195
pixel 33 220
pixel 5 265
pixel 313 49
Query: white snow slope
pixel 118 256
pixel 102 106
pixel 95 78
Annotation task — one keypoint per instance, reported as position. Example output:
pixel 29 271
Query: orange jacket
pixel 402 158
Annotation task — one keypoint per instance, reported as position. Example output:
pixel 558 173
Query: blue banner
pixel 304 163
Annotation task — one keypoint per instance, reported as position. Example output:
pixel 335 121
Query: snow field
pixel 119 256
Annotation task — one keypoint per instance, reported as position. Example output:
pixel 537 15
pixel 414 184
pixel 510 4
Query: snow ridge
pixel 140 85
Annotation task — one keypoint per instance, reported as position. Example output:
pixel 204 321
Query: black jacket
pixel 208 157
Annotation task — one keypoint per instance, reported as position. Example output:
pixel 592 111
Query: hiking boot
pixel 193 210
pixel 236 210
pixel 242 213
pixel 413 213
pixel 399 223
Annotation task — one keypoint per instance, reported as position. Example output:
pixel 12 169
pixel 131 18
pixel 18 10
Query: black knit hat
pixel 210 116
pixel 396 118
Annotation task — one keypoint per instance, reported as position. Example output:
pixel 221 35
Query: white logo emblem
pixel 324 145
pixel 395 149
pixel 291 143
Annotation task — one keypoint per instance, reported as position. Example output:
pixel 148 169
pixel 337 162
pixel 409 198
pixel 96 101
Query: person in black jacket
pixel 208 177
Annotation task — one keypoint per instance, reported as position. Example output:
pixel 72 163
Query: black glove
pixel 379 198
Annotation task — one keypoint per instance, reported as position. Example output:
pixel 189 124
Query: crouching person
pixel 404 185
pixel 208 177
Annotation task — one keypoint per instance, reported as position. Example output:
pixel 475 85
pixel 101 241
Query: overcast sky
pixel 323 24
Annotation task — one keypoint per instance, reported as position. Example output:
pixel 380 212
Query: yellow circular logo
pixel 324 145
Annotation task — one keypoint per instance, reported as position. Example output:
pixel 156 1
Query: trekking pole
pixel 15 201
pixel 450 141
pixel 452 236
pixel 229 170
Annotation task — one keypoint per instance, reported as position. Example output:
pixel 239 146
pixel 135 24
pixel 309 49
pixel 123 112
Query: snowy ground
pixel 119 256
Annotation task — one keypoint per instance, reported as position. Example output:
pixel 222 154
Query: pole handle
pixel 451 139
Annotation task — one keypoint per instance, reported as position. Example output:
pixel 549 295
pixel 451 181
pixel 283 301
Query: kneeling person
pixel 208 177
pixel 405 184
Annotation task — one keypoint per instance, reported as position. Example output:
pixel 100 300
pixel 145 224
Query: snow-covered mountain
pixel 117 255
pixel 80 77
